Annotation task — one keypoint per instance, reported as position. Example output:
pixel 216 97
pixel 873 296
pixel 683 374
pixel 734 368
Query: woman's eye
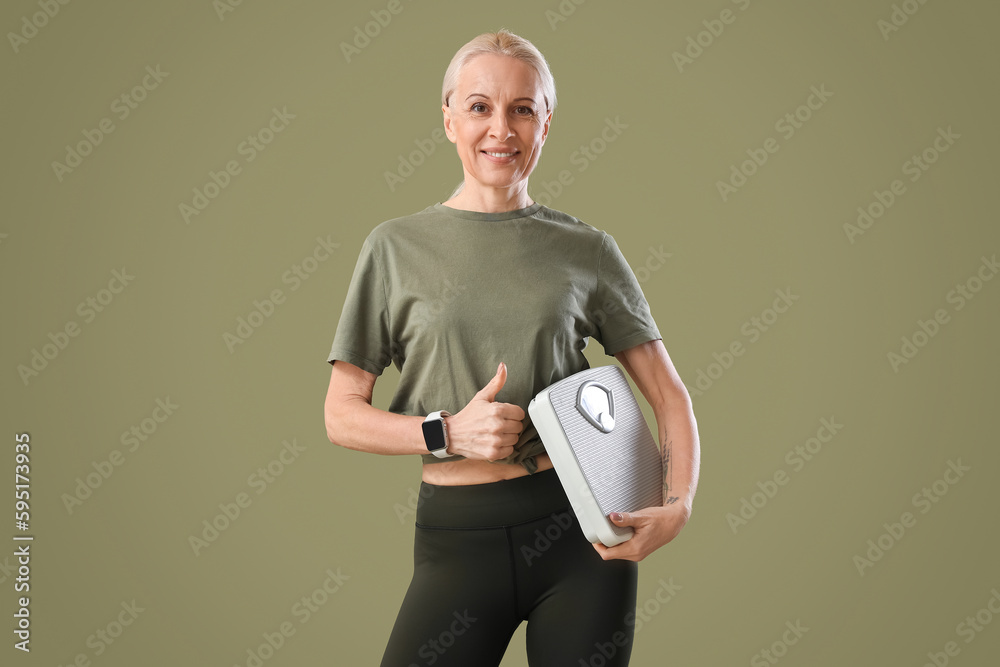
pixel 525 111
pixel 478 107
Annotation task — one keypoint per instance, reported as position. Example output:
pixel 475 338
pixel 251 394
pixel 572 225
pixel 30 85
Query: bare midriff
pixel 474 471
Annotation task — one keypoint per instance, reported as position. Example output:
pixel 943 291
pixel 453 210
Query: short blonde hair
pixel 505 43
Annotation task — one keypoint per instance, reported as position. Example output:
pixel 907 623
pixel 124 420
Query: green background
pixel 324 175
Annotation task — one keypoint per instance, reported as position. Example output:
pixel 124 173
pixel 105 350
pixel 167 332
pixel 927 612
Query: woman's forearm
pixel 484 429
pixel 651 369
pixel 680 449
pixel 356 424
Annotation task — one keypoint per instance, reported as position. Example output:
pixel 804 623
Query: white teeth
pixel 499 154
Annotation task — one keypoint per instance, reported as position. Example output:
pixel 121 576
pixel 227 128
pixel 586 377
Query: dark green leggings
pixel 488 556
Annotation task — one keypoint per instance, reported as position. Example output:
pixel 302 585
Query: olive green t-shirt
pixel 447 294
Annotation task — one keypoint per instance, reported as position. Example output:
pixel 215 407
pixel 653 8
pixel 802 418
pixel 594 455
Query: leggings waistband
pixel 504 503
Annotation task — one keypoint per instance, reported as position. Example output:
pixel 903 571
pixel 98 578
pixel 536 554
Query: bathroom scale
pixel 601 449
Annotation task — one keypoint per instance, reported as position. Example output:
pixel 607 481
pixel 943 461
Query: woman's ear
pixel 446 110
pixel 545 130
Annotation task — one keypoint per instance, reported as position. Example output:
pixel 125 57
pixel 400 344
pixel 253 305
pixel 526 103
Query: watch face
pixel 434 435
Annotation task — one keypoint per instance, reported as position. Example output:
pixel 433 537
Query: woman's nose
pixel 499 128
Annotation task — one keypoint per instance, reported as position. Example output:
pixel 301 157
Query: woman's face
pixel 497 107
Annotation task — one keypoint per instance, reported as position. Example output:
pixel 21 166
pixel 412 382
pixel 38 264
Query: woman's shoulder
pixel 388 229
pixel 570 222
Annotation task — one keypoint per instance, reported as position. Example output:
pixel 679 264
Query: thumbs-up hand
pixel 485 429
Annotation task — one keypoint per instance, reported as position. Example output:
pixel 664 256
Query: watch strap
pixel 441 453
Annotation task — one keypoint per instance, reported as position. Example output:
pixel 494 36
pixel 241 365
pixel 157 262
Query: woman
pixel 482 301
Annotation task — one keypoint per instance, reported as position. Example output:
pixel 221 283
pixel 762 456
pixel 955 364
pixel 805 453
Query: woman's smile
pixel 499 156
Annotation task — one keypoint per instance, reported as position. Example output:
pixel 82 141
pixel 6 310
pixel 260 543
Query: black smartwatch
pixel 436 434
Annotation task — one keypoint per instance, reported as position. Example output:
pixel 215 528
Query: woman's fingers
pixel 485 428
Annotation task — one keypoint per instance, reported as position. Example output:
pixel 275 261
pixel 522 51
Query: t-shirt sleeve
pixel 363 333
pixel 621 317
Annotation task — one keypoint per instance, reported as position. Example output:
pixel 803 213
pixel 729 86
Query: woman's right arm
pixel 483 429
pixel 352 422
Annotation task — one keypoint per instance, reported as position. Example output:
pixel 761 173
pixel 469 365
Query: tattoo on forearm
pixel 668 475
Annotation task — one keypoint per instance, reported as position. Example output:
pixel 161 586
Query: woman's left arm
pixel 650 367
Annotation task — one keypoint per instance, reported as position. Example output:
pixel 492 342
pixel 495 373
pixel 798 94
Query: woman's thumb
pixel 621 518
pixel 495 384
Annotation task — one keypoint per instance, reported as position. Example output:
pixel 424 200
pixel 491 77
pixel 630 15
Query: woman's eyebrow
pixel 530 99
